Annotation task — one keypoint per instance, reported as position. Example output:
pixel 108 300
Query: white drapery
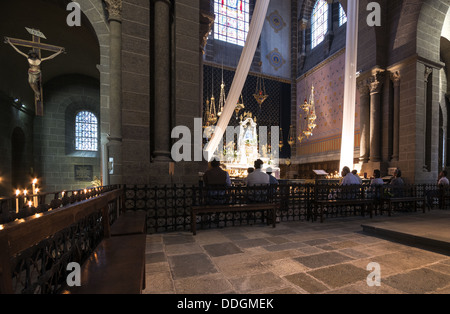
pixel 254 33
pixel 351 59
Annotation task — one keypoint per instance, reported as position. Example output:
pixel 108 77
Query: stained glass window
pixel 342 16
pixel 86 132
pixel 232 21
pixel 319 22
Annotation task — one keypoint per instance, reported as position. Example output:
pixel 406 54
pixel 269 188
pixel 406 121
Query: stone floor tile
pixel 221 249
pixel 209 284
pixel 191 265
pixel 307 283
pixel 322 259
pixel 416 281
pixel 340 275
pixel 247 284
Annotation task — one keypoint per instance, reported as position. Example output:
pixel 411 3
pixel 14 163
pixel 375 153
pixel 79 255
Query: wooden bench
pixel 353 196
pixel 269 208
pixel 130 223
pixel 401 195
pixel 37 250
pixel 117 266
pixel 320 205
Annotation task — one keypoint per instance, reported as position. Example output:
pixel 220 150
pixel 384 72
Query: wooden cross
pixel 37 47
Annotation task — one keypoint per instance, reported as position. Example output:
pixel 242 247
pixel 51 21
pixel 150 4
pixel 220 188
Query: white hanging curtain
pixel 254 33
pixel 351 59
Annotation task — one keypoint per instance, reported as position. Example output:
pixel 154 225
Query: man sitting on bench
pixel 216 180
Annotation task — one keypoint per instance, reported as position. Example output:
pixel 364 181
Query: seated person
pixel 216 175
pixel 348 177
pixel 216 180
pixel 376 178
pixel 376 184
pixel 258 177
pixel 355 173
pixel 397 179
pixel 273 180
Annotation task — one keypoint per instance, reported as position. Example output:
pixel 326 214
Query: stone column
pixel 395 77
pixel 114 8
pixel 427 121
pixel 162 81
pixel 375 87
pixel 364 97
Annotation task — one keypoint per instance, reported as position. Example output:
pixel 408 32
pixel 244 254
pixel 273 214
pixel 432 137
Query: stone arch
pixel 95 12
pixel 429 28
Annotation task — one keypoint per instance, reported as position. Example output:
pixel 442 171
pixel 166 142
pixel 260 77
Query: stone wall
pixel 55 158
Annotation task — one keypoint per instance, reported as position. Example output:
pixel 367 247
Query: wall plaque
pixel 84 173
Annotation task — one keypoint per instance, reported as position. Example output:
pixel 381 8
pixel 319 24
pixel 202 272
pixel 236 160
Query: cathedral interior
pixel 133 70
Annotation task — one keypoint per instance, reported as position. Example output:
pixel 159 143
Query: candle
pixel 25 196
pixel 30 203
pixel 34 191
pixel 62 194
pixel 35 199
pixel 17 200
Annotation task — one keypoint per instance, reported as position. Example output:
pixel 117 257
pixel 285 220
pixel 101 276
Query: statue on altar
pixel 248 141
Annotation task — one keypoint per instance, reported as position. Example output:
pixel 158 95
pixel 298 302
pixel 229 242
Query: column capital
pixel 363 87
pixel 303 24
pixel 375 82
pixel 395 78
pixel 428 71
pixel 114 8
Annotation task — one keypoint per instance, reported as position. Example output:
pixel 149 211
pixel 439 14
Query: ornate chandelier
pixel 239 106
pixel 211 116
pixel 307 118
pixel 260 93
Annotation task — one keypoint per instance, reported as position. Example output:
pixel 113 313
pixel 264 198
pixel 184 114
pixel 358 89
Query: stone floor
pixel 296 258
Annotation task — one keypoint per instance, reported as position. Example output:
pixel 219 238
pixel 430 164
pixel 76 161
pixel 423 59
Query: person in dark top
pixel 216 175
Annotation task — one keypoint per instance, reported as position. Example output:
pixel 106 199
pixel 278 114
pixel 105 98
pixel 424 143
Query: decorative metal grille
pixel 41 269
pixel 168 207
pixel 86 132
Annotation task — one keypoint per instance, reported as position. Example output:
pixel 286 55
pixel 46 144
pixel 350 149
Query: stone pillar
pixel 375 87
pixel 427 120
pixel 162 81
pixel 114 145
pixel 395 77
pixel 365 121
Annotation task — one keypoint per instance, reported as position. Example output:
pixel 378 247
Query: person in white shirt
pixel 348 177
pixel 377 178
pixel 443 180
pixel 442 183
pixel 258 177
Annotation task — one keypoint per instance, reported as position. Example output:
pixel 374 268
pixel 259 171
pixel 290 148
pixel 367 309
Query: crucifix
pixel 34 60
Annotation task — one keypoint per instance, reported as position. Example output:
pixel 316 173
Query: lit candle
pixel 34 191
pixel 35 199
pixel 25 196
pixel 17 200
pixel 30 203
pixel 62 194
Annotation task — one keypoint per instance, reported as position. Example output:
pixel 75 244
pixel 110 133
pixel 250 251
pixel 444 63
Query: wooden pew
pixel 79 233
pixel 269 208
